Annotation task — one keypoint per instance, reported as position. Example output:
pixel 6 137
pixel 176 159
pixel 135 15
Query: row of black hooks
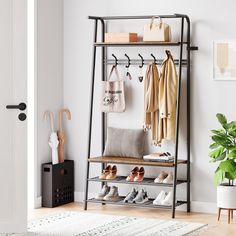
pixel 129 60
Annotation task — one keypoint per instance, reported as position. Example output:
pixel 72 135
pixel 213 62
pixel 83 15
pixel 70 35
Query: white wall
pixel 49 73
pixel 211 20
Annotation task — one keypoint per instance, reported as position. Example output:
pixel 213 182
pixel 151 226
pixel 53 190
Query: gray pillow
pixel 124 142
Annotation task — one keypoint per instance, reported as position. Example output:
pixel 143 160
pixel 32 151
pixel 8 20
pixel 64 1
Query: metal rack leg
pixel 188 114
pixel 103 70
pixel 103 76
pixel 174 191
pixel 91 115
pixel 86 187
pixel 177 120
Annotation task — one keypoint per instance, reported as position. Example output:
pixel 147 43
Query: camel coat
pixel 151 90
pixel 167 99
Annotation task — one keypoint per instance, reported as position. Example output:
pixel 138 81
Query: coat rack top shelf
pixel 174 16
pixel 140 44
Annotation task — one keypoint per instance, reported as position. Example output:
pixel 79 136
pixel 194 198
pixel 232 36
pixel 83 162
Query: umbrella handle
pixel 68 114
pixel 51 116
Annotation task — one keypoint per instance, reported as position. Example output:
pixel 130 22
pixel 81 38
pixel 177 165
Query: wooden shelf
pixel 133 161
pixel 146 181
pixel 148 204
pixel 133 44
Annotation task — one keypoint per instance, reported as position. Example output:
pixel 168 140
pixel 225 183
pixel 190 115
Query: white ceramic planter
pixel 226 196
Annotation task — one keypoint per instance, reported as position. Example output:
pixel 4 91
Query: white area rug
pixel 88 224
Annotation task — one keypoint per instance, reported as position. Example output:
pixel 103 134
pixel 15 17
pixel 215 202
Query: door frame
pixel 33 200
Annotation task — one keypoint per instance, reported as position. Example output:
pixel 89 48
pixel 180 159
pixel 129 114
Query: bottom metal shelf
pixel 148 204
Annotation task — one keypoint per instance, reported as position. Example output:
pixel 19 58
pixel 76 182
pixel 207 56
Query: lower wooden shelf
pixel 133 161
pixel 148 204
pixel 146 181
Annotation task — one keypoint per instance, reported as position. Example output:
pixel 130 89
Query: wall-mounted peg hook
pixel 142 61
pixel 155 61
pixel 116 60
pixel 128 65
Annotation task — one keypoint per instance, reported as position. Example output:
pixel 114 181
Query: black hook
pixel 153 58
pixel 141 66
pixel 116 60
pixel 128 65
pixel 168 53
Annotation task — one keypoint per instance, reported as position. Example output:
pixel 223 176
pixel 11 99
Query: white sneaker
pixel 161 177
pixel 168 199
pixel 113 194
pixel 131 196
pixel 161 196
pixel 141 197
pixel 105 190
pixel 168 179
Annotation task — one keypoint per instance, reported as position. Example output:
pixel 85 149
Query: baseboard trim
pixel 38 202
pixel 196 206
pixel 203 207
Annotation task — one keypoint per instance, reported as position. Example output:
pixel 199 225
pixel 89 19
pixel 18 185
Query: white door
pixel 13 132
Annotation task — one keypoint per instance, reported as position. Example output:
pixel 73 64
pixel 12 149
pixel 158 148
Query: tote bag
pixel 113 95
pixel 160 32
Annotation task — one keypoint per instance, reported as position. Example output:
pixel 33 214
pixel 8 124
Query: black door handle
pixel 22 106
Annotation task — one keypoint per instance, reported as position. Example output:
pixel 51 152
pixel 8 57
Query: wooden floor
pixel 215 228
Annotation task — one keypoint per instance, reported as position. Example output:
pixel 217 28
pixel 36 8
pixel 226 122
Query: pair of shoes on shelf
pixel 136 175
pixel 159 157
pixel 165 178
pixel 135 196
pixel 164 198
pixel 165 154
pixel 108 193
pixel 109 173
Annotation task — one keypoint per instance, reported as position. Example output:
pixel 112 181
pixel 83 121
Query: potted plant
pixel 223 151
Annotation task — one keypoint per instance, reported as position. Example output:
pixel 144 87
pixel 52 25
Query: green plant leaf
pixel 223 140
pixel 216 153
pixel 228 166
pixel 230 175
pixel 218 139
pixel 219 176
pixel 218 168
pixel 221 118
pixel 232 124
pixel 214 146
pixel 232 132
pixel 232 153
pixel 220 158
pixel 217 131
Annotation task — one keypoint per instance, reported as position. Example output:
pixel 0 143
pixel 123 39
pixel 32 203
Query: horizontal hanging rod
pixel 139 62
pixel 135 17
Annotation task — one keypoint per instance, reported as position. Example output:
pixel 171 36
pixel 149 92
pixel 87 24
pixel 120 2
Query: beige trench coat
pixel 167 99
pixel 151 87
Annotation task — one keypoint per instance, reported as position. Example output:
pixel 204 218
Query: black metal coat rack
pixel 183 41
